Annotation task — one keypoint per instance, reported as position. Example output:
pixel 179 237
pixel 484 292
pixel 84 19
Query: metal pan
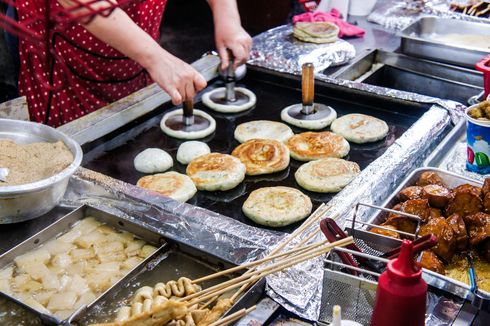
pixel 419 39
pixel 114 154
pixel 65 224
pixel 42 195
pixel 410 74
pixel 451 180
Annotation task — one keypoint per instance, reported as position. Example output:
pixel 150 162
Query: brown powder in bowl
pixel 32 162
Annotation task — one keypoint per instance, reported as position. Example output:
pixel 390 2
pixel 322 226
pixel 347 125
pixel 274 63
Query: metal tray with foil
pixel 437 39
pixel 451 180
pixel 171 261
pixel 113 155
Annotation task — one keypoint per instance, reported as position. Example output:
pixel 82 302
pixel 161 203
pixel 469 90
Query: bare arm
pixel 229 33
pixel 177 78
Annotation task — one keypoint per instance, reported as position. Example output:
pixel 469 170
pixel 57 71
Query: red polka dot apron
pixel 96 73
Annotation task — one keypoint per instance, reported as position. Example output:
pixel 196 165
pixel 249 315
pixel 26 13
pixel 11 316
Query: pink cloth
pixel 334 16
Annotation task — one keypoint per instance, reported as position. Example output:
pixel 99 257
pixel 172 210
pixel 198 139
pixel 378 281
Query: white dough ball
pixel 153 160
pixel 190 150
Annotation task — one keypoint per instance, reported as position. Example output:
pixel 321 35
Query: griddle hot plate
pixel 114 154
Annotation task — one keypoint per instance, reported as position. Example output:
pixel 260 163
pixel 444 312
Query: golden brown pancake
pixel 309 146
pixel 262 156
pixel 171 184
pixel 277 206
pixel 216 171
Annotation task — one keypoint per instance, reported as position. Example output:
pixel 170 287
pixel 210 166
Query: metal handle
pixel 308 87
pixel 230 79
pixel 188 112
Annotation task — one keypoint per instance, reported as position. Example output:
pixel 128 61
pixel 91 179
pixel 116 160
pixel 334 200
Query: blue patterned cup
pixel 478 139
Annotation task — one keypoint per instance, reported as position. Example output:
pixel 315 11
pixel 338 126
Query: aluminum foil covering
pixel 396 15
pixel 208 231
pixel 277 48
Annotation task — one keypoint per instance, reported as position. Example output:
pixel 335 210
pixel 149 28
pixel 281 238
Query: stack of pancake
pixel 316 32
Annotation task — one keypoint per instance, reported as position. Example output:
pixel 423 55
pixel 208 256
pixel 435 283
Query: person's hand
pixel 231 36
pixel 179 79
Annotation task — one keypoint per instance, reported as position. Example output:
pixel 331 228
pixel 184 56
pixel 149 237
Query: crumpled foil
pixel 199 228
pixel 279 49
pixel 396 15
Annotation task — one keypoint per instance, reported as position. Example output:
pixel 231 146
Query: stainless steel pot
pixel 28 201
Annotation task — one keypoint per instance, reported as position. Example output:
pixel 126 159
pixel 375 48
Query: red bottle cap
pixel 404 268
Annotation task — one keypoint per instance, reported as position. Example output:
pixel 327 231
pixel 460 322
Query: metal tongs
pixel 333 232
pixel 4 172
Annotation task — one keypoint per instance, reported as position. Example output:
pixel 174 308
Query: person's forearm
pixel 119 31
pixel 224 11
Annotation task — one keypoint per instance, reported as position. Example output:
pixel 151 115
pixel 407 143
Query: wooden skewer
pixel 233 317
pixel 319 212
pixel 257 262
pixel 256 275
pixel 292 253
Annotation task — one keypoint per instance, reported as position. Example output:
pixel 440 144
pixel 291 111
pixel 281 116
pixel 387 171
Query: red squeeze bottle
pixel 401 293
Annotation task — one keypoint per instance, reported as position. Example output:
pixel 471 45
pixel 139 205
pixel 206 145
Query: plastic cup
pixel 478 140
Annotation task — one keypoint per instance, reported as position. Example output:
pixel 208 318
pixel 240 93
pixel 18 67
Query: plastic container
pixel 361 7
pixel 478 140
pixel 483 66
pixel 402 293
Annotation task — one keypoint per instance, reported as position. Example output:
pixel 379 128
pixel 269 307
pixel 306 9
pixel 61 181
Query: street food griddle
pixel 113 155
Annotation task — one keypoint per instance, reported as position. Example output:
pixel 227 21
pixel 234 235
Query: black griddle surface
pixel 114 155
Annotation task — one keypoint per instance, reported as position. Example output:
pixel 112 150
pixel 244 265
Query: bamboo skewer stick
pixel 319 212
pixel 256 275
pixel 233 317
pixel 257 262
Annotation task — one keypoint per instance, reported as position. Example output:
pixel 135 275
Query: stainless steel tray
pixel 410 74
pixel 171 261
pixel 418 40
pixel 63 225
pixel 451 180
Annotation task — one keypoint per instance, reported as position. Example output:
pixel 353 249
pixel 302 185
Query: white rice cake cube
pixel 39 256
pixel 133 248
pixel 87 225
pixel 90 239
pixel 78 285
pixel 109 268
pixel 6 273
pixel 131 263
pixel 82 254
pixel 110 251
pixel 55 247
pixel 43 296
pixel 85 299
pixel 5 286
pixel 19 280
pixel 36 271
pixel 147 250
pixel 70 236
pixel 31 286
pixel 62 301
pixel 61 260
pixel 51 282
pixel 123 236
pixel 99 282
pixel 30 301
